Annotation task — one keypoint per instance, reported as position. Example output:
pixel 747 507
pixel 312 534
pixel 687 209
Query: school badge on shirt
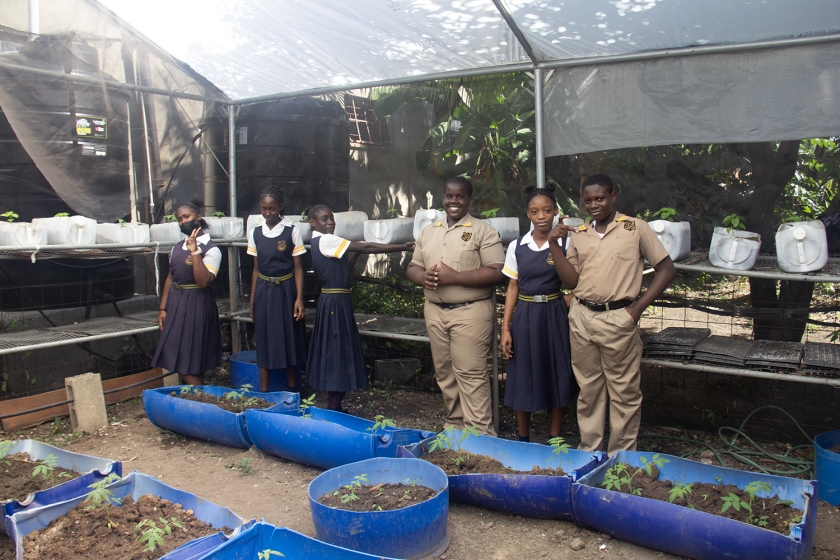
pixel 630 225
pixel 550 259
pixel 189 260
pixel 466 236
pixel 281 245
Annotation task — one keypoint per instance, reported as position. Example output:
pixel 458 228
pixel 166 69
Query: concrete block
pixel 171 380
pixel 87 411
pixel 399 370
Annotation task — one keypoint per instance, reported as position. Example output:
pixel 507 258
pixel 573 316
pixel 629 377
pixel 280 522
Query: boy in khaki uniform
pixel 603 266
pixel 457 261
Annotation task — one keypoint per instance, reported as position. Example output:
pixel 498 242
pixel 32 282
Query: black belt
pixel 456 305
pixel 608 306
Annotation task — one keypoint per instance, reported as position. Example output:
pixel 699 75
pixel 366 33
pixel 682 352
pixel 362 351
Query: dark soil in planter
pixel 17 482
pixel 835 449
pixel 382 497
pixel 83 533
pixel 474 463
pixel 709 499
pixel 230 405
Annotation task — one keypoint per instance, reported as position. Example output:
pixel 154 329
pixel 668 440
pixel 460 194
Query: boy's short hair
pixel 461 182
pixel 317 209
pixel 601 179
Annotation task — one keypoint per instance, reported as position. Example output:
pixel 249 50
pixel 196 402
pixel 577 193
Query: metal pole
pixel 233 252
pixel 538 117
pixel 34 19
pixel 132 179
pixel 146 145
pixel 743 372
pixel 495 383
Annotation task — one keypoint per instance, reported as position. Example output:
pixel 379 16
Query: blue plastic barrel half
pixel 204 420
pixel 136 484
pixel 685 532
pixel 827 466
pixel 264 536
pixel 202 546
pixel 544 497
pixel 326 438
pixel 93 469
pixel 417 531
pixel 244 370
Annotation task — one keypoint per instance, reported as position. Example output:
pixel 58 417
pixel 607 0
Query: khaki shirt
pixel 611 267
pixel 468 245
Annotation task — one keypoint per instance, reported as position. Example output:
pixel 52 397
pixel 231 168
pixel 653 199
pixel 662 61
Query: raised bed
pixel 327 438
pixel 539 496
pixel 416 531
pixel 94 469
pixel 685 532
pixel 266 537
pixel 207 421
pixel 135 484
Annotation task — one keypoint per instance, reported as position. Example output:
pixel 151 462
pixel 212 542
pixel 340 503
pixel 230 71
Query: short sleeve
pixel 571 252
pixel 511 269
pixel 333 246
pixel 213 259
pixel 252 246
pixel 490 250
pixel 649 245
pixel 417 257
pixel 297 241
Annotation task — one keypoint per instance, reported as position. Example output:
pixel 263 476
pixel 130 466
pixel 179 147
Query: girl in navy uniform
pixel 336 359
pixel 535 328
pixel 190 340
pixel 277 291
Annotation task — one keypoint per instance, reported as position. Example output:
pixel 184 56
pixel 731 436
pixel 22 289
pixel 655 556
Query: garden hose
pixel 794 465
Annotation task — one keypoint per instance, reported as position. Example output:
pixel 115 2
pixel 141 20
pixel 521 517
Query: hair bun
pixel 535 189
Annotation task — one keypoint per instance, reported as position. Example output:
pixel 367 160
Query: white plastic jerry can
pixel 22 234
pixel 68 230
pixel 802 246
pixel 305 231
pixel 233 228
pixel 350 225
pixel 214 227
pixel 394 230
pixel 122 233
pixel 508 228
pixel 169 232
pixel 425 217
pixel 735 250
pixel 674 236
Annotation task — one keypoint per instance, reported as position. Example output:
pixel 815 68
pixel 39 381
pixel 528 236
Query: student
pixel 277 291
pixel 190 340
pixel 458 261
pixel 535 328
pixel 336 361
pixel 603 266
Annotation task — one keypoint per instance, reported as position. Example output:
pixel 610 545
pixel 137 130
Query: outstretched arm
pixel 369 248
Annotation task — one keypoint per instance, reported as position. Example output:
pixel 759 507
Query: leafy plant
pixel 304 217
pixel 268 553
pixel 190 390
pixel 218 214
pixel 380 423
pixel 752 489
pixel 350 494
pixel 62 215
pixel 239 397
pixel 491 213
pixel 121 222
pixel 170 218
pixel 10 216
pixel 46 469
pixel 244 466
pixel 618 476
pixel 376 507
pixel 153 535
pixel 100 495
pixel 559 445
pixel 734 221
pixel 5 449
pixel 443 441
pixel 656 460
pixel 393 212
pixel 665 213
pixel 306 403
pixel 682 492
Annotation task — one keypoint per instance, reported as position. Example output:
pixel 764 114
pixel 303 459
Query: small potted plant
pixel 674 236
pixel 732 247
pixel 417 530
pixel 802 246
pixel 395 229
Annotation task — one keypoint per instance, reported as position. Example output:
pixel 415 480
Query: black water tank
pixel 301 145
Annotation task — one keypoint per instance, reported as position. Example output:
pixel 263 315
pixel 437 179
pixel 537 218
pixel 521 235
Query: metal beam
pixel 516 31
pixel 233 252
pixel 743 372
pixel 540 126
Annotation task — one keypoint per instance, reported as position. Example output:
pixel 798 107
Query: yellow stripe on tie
pixel 340 249
pixel 335 290
pixel 276 279
pixel 185 286
pixel 511 273
pixel 540 299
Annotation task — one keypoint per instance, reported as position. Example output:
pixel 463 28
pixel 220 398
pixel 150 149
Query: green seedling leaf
pixel 62 215
pixel 10 216
pixel 559 446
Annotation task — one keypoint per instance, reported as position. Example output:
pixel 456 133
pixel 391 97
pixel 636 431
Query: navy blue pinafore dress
pixel 540 373
pixel 191 340
pixel 281 341
pixel 336 357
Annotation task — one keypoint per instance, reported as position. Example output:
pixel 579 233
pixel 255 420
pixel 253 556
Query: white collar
pixel 528 240
pixel 317 234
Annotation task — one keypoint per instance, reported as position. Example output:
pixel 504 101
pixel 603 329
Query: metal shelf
pixel 795 377
pixel 765 267
pixel 99 251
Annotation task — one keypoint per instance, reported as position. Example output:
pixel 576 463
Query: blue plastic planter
pixel 207 421
pixel 327 439
pixel 244 370
pixel 544 497
pixel 136 484
pixel 827 467
pixel 200 547
pixel 417 531
pixel 293 545
pixel 686 532
pixel 96 468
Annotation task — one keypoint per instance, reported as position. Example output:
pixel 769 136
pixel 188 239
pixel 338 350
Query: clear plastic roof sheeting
pixel 252 48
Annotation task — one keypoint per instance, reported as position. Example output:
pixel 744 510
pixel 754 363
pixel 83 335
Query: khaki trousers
pixel 606 359
pixel 460 340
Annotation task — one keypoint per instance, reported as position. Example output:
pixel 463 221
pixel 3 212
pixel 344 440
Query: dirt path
pixel 258 486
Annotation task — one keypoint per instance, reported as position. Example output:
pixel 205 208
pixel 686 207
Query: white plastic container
pixel 350 225
pixel 674 236
pixel 395 230
pixel 425 217
pixel 214 227
pixel 7 233
pixel 22 234
pixel 225 227
pixel 305 231
pixel 69 230
pixel 802 246
pixel 735 250
pixel 508 228
pixel 169 232
pixel 122 233
pixel 254 220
